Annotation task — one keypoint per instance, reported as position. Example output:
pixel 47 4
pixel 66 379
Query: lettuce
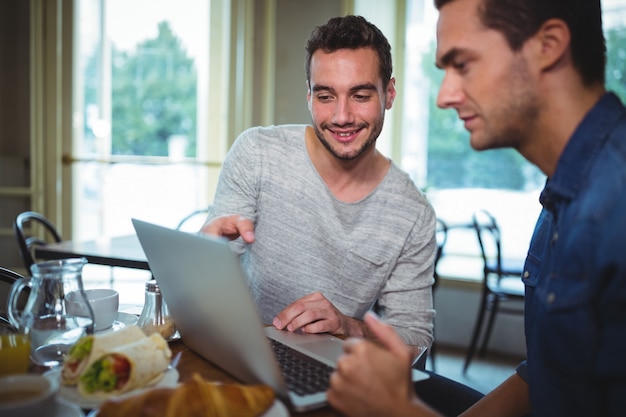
pixel 100 376
pixel 81 349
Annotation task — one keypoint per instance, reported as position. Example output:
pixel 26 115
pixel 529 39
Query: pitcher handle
pixel 16 289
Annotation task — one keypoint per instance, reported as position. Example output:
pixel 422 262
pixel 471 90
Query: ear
pixel 552 42
pixel 390 93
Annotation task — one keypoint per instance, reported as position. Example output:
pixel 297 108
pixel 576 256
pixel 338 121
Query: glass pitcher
pixel 45 318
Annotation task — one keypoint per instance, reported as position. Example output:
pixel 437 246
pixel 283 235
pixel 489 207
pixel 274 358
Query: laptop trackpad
pixel 329 349
pixel 324 347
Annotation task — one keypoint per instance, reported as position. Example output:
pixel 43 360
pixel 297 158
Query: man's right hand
pixel 231 227
pixel 375 379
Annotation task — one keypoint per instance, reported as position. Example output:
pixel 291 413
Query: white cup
pixel 27 395
pixel 104 303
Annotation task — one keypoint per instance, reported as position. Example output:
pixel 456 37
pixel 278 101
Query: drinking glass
pixel 14 351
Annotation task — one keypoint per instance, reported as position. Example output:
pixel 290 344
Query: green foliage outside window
pixel 616 61
pixel 153 96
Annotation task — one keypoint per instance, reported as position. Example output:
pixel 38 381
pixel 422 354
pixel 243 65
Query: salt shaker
pixel 155 316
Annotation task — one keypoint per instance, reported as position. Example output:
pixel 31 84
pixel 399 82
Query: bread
pixel 195 397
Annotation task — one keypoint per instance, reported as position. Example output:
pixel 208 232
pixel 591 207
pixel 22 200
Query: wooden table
pixel 191 363
pixel 122 251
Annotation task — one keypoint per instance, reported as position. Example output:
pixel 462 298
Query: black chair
pixel 501 282
pixel 25 226
pixel 441 232
pixel 7 278
pixel 193 219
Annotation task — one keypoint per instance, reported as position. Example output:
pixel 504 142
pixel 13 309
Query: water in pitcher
pixel 53 336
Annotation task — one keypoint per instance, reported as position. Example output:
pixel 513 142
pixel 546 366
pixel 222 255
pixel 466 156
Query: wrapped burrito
pixel 89 348
pixel 125 368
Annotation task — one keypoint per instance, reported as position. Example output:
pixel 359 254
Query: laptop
pixel 206 290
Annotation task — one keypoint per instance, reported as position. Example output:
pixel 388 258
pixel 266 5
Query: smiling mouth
pixel 345 137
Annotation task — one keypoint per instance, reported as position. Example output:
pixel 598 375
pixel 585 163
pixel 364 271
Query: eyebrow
pixel 445 60
pixel 359 87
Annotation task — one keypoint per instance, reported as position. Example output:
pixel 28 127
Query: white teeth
pixel 344 134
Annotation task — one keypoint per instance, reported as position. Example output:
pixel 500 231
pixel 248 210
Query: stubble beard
pixel 348 155
pixel 516 117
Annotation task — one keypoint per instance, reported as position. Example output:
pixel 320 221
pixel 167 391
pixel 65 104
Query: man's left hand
pixel 314 313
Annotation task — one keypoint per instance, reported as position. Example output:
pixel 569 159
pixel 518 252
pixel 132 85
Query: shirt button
pixel 526 274
pixel 551 298
pixel 555 236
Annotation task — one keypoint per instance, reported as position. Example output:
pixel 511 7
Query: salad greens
pixel 81 349
pixel 100 376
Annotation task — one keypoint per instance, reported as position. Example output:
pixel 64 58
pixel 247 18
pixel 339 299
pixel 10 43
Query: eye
pixel 460 66
pixel 361 97
pixel 324 98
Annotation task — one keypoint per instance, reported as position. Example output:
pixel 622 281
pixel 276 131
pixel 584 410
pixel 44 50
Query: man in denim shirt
pixel 529 74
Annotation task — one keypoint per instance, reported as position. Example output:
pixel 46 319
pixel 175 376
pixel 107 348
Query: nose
pixel 343 112
pixel 450 93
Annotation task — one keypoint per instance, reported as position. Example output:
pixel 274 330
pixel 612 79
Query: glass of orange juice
pixel 14 351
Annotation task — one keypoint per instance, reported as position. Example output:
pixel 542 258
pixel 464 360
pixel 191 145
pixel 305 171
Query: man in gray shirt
pixel 328 227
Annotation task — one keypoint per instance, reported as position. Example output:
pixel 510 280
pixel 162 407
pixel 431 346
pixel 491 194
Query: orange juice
pixel 14 353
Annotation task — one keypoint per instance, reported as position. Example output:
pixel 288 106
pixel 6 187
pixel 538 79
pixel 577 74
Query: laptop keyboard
pixel 303 375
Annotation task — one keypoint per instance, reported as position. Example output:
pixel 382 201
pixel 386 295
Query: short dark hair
pixel 518 20
pixel 350 32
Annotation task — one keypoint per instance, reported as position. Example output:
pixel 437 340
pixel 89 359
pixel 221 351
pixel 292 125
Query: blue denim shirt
pixel 575 275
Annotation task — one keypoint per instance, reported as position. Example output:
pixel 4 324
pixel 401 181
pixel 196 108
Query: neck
pixel 562 108
pixel 348 180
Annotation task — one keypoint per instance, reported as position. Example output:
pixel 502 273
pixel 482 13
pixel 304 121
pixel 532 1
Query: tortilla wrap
pixel 79 359
pixel 144 362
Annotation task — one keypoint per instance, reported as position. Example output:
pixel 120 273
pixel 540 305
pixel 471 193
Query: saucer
pixel 63 408
pixel 121 320
pixel 278 409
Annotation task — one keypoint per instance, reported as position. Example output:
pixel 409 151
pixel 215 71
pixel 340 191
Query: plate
pixel 277 409
pixel 121 320
pixel 71 395
pixel 63 408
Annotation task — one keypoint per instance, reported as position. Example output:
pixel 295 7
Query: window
pixel 140 97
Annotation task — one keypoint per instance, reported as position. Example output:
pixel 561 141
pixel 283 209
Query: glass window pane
pixel 139 67
pixel 614 17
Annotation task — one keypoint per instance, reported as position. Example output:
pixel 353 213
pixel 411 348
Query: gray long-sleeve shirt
pixel 377 252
